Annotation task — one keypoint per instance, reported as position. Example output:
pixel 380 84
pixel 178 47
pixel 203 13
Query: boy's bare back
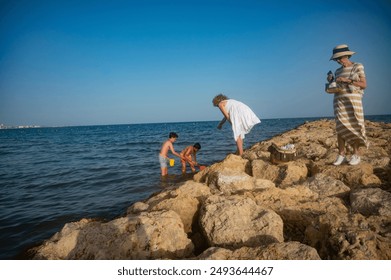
pixel 165 147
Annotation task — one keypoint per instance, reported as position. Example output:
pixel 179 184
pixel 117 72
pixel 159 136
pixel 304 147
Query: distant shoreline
pixel 3 126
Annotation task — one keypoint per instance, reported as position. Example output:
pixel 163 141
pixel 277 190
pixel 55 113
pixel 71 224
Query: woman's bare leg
pixel 356 148
pixel 239 145
pixel 341 145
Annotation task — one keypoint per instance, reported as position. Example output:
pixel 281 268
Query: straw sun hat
pixel 341 50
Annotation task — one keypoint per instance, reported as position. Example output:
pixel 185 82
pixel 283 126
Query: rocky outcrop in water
pixel 248 208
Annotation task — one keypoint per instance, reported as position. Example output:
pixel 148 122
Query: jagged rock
pixel 284 174
pixel 145 236
pixel 63 244
pixel 186 207
pixel 264 184
pixel 326 186
pixel 371 201
pixel 353 176
pixel 232 163
pixel 188 188
pixel 352 237
pixel 231 182
pixel 274 251
pixel 234 222
pixel 138 207
pixel 184 200
pixel 314 151
pixel 278 199
pixel 265 170
pixel 293 172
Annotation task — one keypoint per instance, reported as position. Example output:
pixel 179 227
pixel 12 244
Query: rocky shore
pixel 249 208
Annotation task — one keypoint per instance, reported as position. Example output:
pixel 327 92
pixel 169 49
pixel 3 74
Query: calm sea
pixel 51 176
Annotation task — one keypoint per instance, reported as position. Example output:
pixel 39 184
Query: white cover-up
pixel 242 118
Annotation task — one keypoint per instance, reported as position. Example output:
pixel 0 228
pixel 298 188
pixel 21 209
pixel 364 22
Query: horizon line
pixel 3 126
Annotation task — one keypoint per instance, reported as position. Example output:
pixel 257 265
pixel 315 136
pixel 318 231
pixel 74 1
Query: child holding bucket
pixel 189 155
pixel 168 145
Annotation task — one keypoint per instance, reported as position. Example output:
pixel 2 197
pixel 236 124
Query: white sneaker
pixel 354 160
pixel 340 159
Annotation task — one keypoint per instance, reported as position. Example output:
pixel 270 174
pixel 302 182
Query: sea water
pixel 52 176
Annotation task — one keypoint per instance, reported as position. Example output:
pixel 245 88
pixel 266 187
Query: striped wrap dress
pixel 348 108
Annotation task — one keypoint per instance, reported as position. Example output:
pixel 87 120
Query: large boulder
pixel 293 172
pixel 231 163
pixel 234 221
pixel 265 170
pixel 275 251
pixel 151 235
pixel 353 237
pixel 184 199
pixel 371 201
pixel 230 182
pixel 352 176
pixel 326 186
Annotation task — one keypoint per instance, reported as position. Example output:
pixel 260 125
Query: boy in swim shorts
pixel 189 155
pixel 167 145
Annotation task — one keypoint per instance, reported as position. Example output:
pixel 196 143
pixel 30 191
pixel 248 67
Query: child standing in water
pixel 189 155
pixel 167 145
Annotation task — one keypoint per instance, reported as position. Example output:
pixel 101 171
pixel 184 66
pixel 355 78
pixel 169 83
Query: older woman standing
pixel 241 117
pixel 348 109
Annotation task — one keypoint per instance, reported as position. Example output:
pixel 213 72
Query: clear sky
pixel 68 62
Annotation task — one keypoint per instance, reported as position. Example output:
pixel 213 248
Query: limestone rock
pixel 230 182
pixel 186 207
pixel 354 237
pixel 283 174
pixel 293 172
pixel 352 176
pixel 63 243
pixel 371 201
pixel 274 251
pixel 233 163
pixel 233 222
pixel 138 207
pixel 146 236
pixel 314 151
pixel 264 184
pixel 326 186
pixel 184 200
pixel 215 253
pixel 264 170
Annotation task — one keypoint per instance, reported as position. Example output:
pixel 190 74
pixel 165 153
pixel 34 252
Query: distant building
pixel 3 126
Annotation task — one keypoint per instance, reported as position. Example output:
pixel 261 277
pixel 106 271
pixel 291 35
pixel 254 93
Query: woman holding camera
pixel 348 108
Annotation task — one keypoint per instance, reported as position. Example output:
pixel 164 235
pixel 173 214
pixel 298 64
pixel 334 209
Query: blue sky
pixel 119 62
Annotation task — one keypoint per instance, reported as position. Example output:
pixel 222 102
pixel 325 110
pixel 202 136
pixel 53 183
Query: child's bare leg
pixel 164 171
pixel 183 166
pixel 192 167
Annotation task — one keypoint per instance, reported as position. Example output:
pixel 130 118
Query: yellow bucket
pixel 172 162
